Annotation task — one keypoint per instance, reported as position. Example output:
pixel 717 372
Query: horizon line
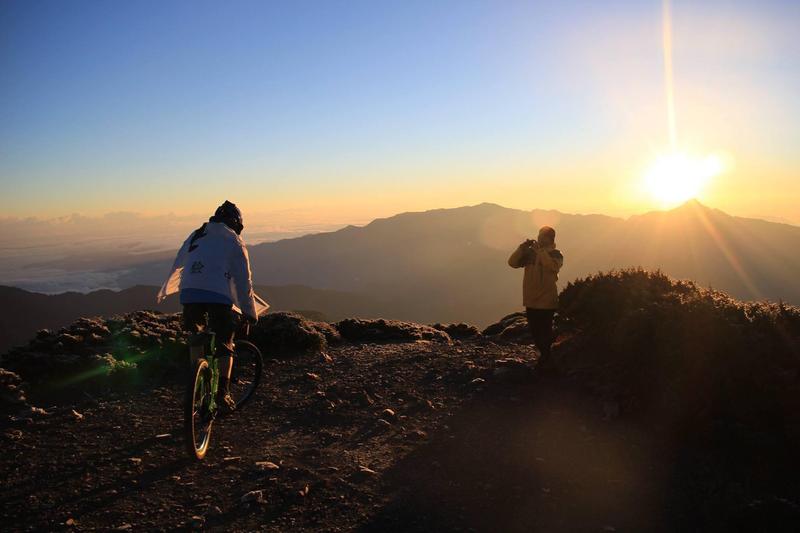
pixel 145 216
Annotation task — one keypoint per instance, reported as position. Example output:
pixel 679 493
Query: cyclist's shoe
pixel 225 403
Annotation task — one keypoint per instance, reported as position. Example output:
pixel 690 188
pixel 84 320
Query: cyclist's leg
pixel 194 316
pixel 221 321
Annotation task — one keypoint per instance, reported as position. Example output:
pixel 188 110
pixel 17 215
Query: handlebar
pixel 242 322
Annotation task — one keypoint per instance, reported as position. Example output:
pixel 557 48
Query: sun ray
pixel 669 85
pixel 729 255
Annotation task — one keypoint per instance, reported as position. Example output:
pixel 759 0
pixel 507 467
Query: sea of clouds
pixel 114 251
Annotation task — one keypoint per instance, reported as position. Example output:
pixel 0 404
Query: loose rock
pixel 254 496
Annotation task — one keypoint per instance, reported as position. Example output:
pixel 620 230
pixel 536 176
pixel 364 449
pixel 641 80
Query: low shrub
pixel 669 345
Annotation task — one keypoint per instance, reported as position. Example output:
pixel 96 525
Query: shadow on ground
pixel 527 457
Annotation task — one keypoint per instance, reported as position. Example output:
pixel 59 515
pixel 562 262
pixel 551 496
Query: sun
pixel 676 177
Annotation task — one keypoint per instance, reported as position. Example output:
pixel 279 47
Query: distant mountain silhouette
pixel 449 265
pixel 22 313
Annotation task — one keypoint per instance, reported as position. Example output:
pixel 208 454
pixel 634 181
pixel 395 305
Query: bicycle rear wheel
pixel 246 373
pixel 197 414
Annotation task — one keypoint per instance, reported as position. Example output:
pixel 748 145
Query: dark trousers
pixel 219 318
pixel 540 322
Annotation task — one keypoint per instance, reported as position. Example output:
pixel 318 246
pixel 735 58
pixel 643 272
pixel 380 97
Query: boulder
pixel 12 398
pixel 458 331
pixel 500 325
pixel 382 330
pixel 512 369
pixel 281 334
pixel 510 328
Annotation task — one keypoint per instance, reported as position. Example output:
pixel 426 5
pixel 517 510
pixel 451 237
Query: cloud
pixel 55 282
pixel 83 253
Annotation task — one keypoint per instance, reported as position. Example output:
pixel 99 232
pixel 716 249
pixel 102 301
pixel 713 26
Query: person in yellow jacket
pixel 542 261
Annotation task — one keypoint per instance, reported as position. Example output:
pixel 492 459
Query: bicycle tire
pixel 197 425
pixel 248 365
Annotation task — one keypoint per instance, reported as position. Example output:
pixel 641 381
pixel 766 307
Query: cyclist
pixel 212 272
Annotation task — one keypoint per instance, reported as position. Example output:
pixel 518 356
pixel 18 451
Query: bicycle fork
pixel 201 345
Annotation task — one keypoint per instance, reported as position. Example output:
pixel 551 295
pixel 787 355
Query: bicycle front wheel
pixel 198 416
pixel 246 372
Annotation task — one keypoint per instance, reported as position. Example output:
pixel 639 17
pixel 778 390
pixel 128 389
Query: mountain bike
pixel 200 405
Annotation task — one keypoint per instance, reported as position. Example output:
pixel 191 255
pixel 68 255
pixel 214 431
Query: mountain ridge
pixel 590 243
pixel 449 265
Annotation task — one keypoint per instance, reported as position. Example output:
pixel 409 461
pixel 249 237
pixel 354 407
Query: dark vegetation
pixel 718 378
pixel 684 353
pixel 697 393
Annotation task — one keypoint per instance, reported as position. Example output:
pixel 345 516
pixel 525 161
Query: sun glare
pixel 677 177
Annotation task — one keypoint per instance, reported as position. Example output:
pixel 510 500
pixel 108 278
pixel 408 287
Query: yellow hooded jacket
pixel 539 289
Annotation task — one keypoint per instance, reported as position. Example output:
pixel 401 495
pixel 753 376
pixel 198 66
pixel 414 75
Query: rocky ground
pixel 414 436
pixel 665 408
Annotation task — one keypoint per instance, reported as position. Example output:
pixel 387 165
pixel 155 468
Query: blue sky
pixel 167 106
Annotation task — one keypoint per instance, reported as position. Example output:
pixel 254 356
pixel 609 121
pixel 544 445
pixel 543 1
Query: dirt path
pixel 463 448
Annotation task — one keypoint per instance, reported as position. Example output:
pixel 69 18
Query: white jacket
pixel 215 259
